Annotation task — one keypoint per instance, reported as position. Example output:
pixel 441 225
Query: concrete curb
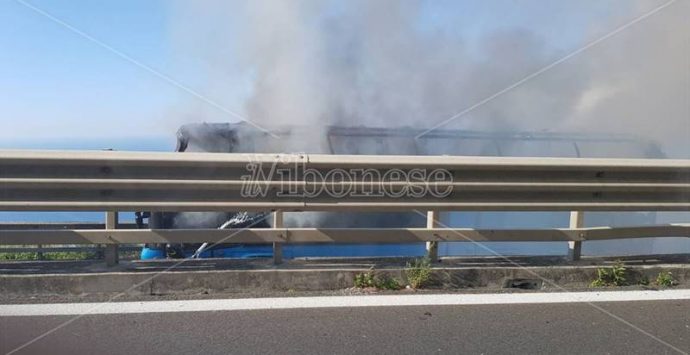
pixel 311 279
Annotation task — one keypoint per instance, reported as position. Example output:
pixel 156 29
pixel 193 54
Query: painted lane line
pixel 335 302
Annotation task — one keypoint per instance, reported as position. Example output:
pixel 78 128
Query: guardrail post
pixel 111 250
pixel 577 219
pixel 278 247
pixel 432 247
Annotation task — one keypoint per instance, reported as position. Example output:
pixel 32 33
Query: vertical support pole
pixel 39 252
pixel 111 250
pixel 432 221
pixel 577 219
pixel 277 247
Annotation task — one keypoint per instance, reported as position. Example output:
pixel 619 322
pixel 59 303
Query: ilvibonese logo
pixel 296 180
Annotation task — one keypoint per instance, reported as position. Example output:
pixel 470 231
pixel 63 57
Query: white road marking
pixel 59 309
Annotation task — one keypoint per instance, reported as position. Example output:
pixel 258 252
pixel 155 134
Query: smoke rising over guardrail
pixel 416 63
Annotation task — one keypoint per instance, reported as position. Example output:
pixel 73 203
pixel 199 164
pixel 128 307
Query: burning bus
pixel 243 138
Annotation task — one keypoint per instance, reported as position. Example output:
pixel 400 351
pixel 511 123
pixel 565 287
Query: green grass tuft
pixel 381 281
pixel 665 279
pixel 613 276
pixel 418 272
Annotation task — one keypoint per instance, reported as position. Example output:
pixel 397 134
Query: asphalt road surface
pixel 636 327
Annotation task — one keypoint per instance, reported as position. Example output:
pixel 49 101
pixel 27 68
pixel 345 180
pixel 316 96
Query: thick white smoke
pixel 639 83
pixel 388 63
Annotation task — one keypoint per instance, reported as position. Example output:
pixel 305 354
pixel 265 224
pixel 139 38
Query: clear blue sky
pixel 55 84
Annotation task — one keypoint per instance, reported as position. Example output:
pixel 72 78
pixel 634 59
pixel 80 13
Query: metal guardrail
pixel 127 181
pixel 336 235
pixel 39 180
